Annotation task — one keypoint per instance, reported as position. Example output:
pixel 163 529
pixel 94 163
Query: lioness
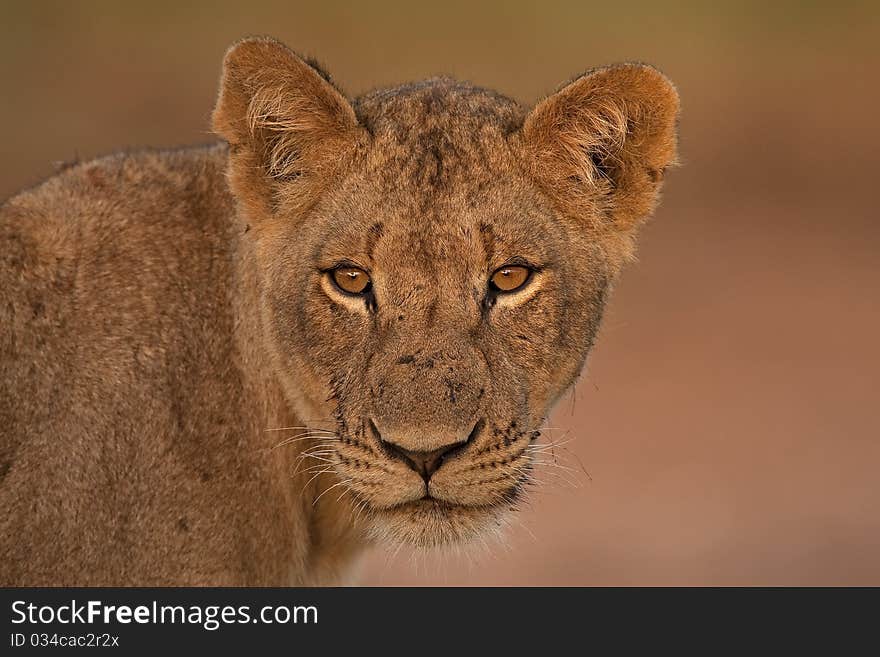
pixel 239 364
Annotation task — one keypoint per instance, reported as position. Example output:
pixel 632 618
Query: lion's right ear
pixel 287 126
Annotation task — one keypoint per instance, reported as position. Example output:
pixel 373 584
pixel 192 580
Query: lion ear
pixel 600 145
pixel 287 126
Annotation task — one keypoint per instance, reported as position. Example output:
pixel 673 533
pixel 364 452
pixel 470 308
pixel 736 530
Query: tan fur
pixel 185 397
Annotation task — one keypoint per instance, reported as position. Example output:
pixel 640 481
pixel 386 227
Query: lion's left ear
pixel 599 147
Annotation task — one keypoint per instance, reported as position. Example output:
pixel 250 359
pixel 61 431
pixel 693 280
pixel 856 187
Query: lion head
pixel 435 260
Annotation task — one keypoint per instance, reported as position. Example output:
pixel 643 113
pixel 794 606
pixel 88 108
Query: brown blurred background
pixel 729 419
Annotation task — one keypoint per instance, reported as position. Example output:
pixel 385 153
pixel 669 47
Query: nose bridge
pixel 436 296
pixel 428 384
pixel 434 315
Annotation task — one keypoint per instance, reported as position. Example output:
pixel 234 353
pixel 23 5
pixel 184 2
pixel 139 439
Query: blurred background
pixel 727 429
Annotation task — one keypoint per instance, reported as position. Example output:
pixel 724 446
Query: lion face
pixel 438 379
pixel 425 290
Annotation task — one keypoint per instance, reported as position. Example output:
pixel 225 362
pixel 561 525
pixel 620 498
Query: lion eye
pixel 351 280
pixel 510 279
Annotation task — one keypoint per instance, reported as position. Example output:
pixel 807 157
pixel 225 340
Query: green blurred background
pixel 729 416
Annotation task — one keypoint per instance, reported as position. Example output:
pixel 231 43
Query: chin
pixel 430 523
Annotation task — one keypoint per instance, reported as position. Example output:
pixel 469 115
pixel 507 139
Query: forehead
pixel 399 227
pixel 437 137
pixel 410 112
pixel 439 181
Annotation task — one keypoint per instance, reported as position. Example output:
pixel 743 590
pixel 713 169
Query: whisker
pixel 323 463
pixel 316 457
pixel 338 483
pixel 318 474
pixel 303 436
pixel 293 428
pixel 316 452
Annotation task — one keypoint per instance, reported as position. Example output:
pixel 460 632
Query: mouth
pixel 428 503
pixel 429 522
pixel 450 495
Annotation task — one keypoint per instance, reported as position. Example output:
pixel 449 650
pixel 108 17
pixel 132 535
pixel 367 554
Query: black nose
pixel 425 463
pixel 400 444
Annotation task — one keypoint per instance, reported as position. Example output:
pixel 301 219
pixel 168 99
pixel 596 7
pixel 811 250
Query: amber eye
pixel 511 278
pixel 351 280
